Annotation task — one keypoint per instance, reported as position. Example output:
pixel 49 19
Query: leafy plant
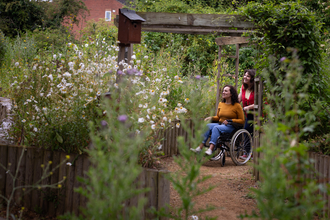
pixel 281 26
pixel 112 177
pixel 285 192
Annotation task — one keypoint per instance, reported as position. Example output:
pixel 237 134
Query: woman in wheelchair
pixel 229 115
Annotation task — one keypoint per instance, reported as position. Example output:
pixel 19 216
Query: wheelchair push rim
pixel 239 142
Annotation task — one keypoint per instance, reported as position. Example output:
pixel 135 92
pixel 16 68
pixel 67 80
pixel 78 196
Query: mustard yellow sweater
pixel 229 111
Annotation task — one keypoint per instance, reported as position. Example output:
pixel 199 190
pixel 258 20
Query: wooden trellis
pixel 221 41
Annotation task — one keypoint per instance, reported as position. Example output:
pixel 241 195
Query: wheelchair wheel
pixel 239 147
pixel 219 154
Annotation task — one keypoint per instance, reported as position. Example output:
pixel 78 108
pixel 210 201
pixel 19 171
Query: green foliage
pixel 285 193
pixel 52 39
pixel 100 29
pixel 20 15
pixel 2 47
pixel 23 15
pixel 115 168
pixel 281 27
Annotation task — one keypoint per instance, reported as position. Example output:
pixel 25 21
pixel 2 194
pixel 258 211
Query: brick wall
pixel 97 9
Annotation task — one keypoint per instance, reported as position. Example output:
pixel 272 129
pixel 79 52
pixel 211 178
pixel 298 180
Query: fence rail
pixel 57 201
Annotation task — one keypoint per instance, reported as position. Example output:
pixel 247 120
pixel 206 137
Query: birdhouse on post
pixel 129 33
pixel 129 27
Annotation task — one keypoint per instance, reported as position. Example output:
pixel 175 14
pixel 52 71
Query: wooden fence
pixel 57 201
pixel 3 112
pixel 170 136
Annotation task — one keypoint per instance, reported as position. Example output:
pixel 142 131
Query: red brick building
pixel 107 9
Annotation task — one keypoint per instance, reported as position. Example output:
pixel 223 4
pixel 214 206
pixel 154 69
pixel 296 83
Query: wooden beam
pixel 231 40
pixel 194 20
pixel 193 23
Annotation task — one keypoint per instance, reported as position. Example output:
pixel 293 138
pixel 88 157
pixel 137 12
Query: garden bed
pixel 62 198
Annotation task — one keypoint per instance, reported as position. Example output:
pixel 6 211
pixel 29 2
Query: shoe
pixel 197 150
pixel 243 157
pixel 208 152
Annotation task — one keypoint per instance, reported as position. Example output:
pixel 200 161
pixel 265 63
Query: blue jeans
pixel 214 130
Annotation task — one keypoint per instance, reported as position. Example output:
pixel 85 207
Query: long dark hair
pixel 233 92
pixel 252 73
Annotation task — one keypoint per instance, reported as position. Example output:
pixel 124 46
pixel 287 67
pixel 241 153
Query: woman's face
pixel 226 93
pixel 246 78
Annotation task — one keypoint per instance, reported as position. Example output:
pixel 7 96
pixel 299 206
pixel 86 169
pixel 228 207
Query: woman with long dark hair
pixel 229 112
pixel 246 96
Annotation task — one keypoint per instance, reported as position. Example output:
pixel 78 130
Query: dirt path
pixel 230 196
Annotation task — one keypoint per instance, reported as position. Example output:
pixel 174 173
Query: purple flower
pixel 130 72
pixel 198 77
pixel 138 74
pixel 119 72
pixel 122 118
pixel 104 124
pixel 282 59
pixel 110 71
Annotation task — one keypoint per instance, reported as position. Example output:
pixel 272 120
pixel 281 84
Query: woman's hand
pixel 225 122
pixel 208 119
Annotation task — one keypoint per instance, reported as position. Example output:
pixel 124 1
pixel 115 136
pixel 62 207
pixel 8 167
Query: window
pixel 108 15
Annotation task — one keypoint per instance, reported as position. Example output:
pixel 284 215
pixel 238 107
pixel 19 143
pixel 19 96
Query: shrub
pixel 285 192
pixel 100 29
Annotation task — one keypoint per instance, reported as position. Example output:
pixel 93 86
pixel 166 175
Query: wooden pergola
pixel 182 23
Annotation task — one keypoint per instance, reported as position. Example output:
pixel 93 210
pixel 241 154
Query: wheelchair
pixel 235 143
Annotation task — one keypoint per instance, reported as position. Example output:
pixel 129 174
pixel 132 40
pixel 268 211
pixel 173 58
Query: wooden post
pixel 236 65
pixel 218 80
pixel 3 161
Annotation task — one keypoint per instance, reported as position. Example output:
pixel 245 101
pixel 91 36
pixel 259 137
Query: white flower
pixel 17 64
pixel 153 108
pixel 67 74
pixel 169 120
pixel 164 69
pixel 179 104
pixel 54 56
pixel 133 57
pixel 146 57
pixel 35 129
pixel 148 117
pixel 116 85
pixel 177 117
pixel 164 118
pixel 23 120
pixel 86 45
pixel 180 81
pixel 194 217
pixel 160 147
pixel 137 132
pixel 187 100
pixel 147 79
pixel 69 164
pixel 140 105
pixel 161 100
pixel 162 125
pixel 152 122
pixel 153 126
pixel 141 120
pixel 148 110
pixel 177 125
pixel 50 77
pixel 152 92
pixel 176 77
pixel 154 116
pixel 145 105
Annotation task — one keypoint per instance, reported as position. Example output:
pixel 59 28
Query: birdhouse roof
pixel 131 15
